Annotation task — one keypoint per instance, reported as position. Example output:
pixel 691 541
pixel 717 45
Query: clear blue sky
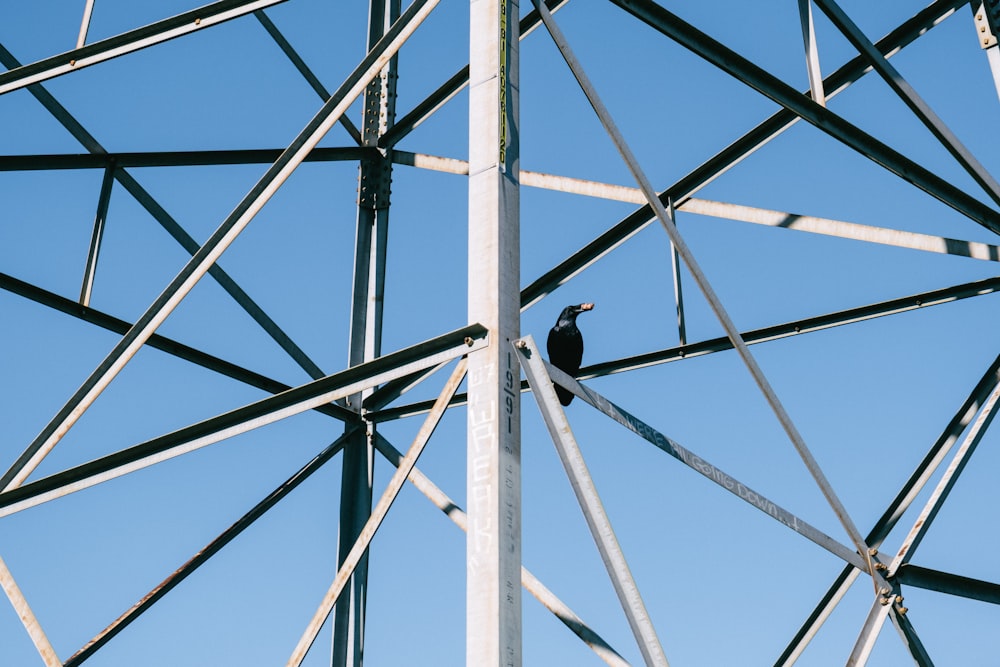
pixel 724 584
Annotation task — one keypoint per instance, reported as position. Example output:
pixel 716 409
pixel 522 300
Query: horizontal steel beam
pixel 766 334
pixel 845 230
pixel 945 582
pixel 850 72
pixel 807 325
pixel 244 419
pixel 176 158
pixel 162 343
pixel 127 42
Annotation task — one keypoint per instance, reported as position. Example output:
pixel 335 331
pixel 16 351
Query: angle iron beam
pixel 227 232
pixel 703 467
pixel 807 325
pixel 946 582
pixel 590 503
pixel 869 633
pixel 209 550
pixel 845 230
pixel 820 117
pixel 905 34
pixel 162 343
pixel 34 629
pixel 101 160
pixel 910 639
pixel 127 42
pixel 359 548
pixel 530 583
pixel 246 418
pixel 88 11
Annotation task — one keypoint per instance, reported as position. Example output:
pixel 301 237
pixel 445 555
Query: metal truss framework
pixel 491 350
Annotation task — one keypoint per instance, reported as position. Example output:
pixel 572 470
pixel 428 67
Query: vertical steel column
pixel 366 339
pixel 493 551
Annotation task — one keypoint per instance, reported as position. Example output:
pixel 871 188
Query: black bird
pixel 565 346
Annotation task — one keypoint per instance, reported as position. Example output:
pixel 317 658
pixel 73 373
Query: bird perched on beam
pixel 565 346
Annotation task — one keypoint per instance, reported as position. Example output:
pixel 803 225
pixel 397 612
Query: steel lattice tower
pixel 204 207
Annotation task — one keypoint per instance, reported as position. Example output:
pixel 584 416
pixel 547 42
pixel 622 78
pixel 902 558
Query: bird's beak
pixel 586 306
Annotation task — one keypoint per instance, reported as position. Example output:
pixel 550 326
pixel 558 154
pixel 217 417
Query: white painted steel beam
pixel 493 546
pixel 27 616
pixel 590 503
pixel 869 633
pixel 88 11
